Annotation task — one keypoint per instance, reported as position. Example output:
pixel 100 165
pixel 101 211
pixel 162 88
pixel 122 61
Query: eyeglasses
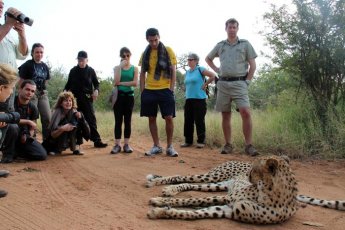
pixel 126 55
pixel 190 59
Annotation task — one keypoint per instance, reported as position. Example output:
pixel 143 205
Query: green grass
pixel 274 132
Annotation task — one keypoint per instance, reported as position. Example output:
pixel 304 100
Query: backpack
pixel 207 88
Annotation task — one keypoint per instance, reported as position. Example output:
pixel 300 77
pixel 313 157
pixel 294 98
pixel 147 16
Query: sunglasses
pixel 190 59
pixel 126 55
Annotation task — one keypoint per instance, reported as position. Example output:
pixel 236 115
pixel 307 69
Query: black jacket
pixel 82 81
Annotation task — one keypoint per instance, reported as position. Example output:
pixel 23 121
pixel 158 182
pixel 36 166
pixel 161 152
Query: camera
pixel 22 18
pixel 26 137
pixel 11 117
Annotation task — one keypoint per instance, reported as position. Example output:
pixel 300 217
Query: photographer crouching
pixel 27 146
pixel 8 127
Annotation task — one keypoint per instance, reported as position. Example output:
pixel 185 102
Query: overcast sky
pixel 102 27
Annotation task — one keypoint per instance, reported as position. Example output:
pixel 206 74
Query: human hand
pixel 77 115
pixel 32 125
pixel 2 124
pixel 12 20
pixel 67 127
pixel 95 95
pixel 123 63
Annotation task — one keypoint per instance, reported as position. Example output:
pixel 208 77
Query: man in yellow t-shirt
pixel 157 82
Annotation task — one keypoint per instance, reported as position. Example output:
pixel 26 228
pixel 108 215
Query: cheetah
pixel 264 192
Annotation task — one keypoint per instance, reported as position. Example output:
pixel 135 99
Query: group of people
pixel 73 118
pixel 66 126
pixel 157 83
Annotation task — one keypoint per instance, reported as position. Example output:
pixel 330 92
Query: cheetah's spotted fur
pixel 264 192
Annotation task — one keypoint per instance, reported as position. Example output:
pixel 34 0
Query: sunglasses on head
pixel 125 55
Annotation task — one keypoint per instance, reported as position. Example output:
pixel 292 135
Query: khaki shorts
pixel 229 91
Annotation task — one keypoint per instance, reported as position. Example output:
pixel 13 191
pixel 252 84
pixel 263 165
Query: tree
pixel 310 43
pixel 56 84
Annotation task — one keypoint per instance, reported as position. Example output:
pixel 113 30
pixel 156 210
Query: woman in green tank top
pixel 125 79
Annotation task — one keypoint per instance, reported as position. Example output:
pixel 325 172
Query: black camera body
pixel 10 118
pixel 22 18
pixel 26 137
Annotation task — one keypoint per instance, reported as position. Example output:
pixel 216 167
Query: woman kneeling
pixel 67 127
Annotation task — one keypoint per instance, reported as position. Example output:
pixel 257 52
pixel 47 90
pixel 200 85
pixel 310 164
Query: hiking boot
pixel 227 149
pixel 3 193
pixel 154 151
pixel 116 149
pixel 200 145
pixel 4 173
pixel 171 152
pixel 251 151
pixel 184 145
pixel 100 144
pixel 127 148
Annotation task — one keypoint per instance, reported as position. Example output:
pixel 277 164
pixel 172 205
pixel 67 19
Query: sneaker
pixel 184 145
pixel 200 145
pixel 116 149
pixel 127 148
pixel 6 159
pixel 51 153
pixel 251 151
pixel 154 151
pixel 100 144
pixel 3 193
pixel 171 152
pixel 227 149
pixel 4 173
pixel 77 152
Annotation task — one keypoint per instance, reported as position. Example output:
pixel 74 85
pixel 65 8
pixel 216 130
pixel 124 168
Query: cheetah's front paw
pixel 151 180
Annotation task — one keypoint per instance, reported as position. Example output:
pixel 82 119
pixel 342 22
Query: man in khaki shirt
pixel 237 67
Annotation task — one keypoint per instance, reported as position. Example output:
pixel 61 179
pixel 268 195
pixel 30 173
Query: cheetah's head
pixel 270 171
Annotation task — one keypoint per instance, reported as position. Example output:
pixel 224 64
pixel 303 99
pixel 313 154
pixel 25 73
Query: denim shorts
pixel 151 100
pixel 228 91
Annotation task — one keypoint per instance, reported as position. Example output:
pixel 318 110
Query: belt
pixel 243 78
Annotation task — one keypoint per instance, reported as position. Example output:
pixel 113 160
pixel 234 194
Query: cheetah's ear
pixel 272 165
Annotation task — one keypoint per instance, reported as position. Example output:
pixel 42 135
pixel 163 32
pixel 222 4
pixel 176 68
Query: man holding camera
pixel 10 47
pixel 27 146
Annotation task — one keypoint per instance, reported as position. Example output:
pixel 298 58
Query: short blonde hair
pixel 8 74
pixel 64 96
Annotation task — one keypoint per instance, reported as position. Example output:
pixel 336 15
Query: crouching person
pixel 27 146
pixel 67 127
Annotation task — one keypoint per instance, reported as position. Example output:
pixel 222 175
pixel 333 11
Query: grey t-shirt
pixel 233 57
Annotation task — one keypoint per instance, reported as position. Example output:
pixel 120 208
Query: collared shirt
pixel 163 82
pixel 9 51
pixel 233 57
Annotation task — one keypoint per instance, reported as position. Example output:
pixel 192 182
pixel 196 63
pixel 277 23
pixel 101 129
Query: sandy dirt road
pixel 103 191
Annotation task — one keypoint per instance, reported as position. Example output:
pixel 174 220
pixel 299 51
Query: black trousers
pixel 194 113
pixel 85 105
pixel 66 140
pixel 8 139
pixel 31 150
pixel 123 109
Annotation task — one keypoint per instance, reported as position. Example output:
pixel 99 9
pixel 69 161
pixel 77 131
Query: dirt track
pixel 103 191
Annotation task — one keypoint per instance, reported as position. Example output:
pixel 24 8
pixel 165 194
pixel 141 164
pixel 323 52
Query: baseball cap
pixel 82 54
